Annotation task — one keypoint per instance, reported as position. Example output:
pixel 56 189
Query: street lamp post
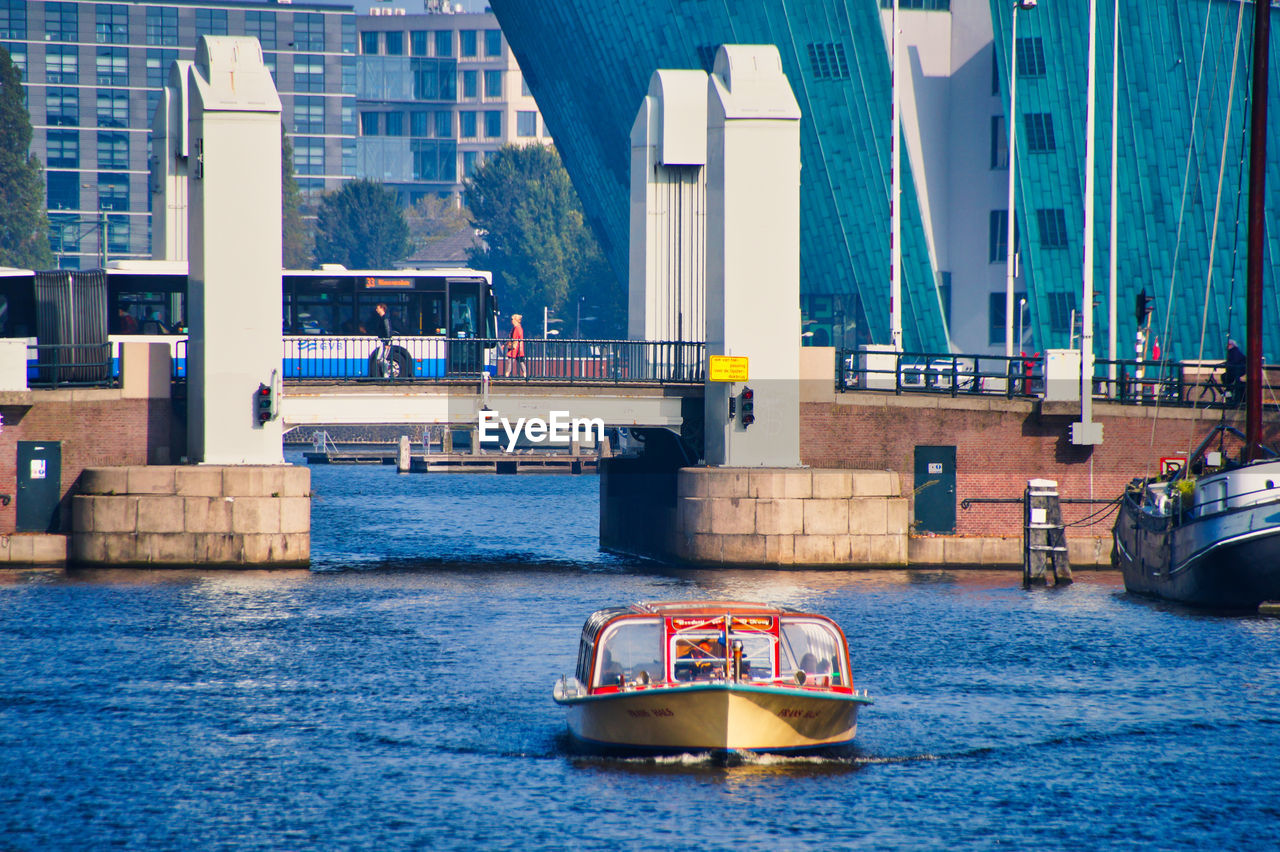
pixel 1013 135
pixel 1022 308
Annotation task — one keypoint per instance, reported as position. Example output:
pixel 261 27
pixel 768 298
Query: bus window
pixel 464 308
pixel 433 318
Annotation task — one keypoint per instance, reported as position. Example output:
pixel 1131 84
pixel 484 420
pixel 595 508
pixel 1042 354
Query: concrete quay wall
pixel 243 516
pixel 756 516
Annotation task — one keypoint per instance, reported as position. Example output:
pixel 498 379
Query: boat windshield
pixel 628 648
pixel 701 654
pixel 813 647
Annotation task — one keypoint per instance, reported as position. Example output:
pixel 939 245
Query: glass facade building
pixel 415 101
pixel 589 62
pixel 436 93
pixel 93 72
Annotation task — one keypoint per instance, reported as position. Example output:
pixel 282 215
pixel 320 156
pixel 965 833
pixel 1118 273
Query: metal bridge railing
pixel 1189 384
pixel 618 361
pixel 70 365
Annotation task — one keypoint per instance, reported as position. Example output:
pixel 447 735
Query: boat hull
pixel 1227 561
pixel 716 717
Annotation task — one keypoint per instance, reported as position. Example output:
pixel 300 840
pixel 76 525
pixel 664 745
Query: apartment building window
pixel 348 112
pixel 493 84
pixel 63 148
pixel 444 124
pixel 526 123
pixel 418 43
pixel 467 125
pixel 113 108
pixel 493 124
pixel 62 106
pixel 64 190
pixel 113 150
pixel 308 157
pixel 62 21
pixel 470 162
pixel 395 124
pixel 269 60
pixel 211 22
pixel 471 84
pixel 998 236
pixel 113 66
pixel 61 65
pixel 1039 130
pixel 368 124
pixel 349 34
pixel 308 73
pixel 418 124
pixel 369 43
pixel 308 115
pixel 444 42
pixel 493 42
pixel 308 31
pixel 996 313
pixel 349 157
pixel 262 26
pixel 1062 308
pixel 467 42
pixel 394 43
pixel 348 73
pixel 162 25
pixel 1030 57
pixel 158 62
pixel 13 19
pixel 18 53
pixel 1053 227
pixel 113 191
pixel 999 143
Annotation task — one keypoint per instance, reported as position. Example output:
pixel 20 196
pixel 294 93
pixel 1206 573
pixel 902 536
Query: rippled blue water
pixel 400 697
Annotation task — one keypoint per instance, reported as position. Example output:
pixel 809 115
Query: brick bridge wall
pixel 95 427
pixel 1000 444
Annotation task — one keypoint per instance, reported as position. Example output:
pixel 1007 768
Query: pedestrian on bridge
pixel 515 347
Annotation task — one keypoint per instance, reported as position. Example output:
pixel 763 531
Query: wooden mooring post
pixel 1044 539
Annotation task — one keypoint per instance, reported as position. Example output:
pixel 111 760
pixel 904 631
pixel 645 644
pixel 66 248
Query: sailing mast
pixel 1257 214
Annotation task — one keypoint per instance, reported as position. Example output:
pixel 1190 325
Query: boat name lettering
pixel 560 429
pixel 644 714
pixel 792 713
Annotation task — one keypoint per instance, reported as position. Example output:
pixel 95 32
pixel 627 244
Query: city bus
pixel 445 320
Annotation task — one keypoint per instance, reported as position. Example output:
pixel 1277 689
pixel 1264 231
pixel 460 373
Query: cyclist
pixel 381 326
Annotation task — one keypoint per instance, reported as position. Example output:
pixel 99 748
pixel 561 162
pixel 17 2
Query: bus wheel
pixel 401 363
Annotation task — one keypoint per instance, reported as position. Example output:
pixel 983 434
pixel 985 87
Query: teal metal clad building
pixel 1176 68
pixel 588 63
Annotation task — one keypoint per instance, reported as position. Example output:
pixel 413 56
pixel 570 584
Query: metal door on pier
pixel 935 489
pixel 39 485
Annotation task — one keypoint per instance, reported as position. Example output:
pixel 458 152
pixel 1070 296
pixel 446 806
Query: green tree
pixel 24 222
pixel 297 242
pixel 361 226
pixel 537 243
pixel 434 219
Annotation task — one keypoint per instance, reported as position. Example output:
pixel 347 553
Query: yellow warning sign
pixel 727 368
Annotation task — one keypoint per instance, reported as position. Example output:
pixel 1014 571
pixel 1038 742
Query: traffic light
pixel 748 407
pixel 1141 307
pixel 264 403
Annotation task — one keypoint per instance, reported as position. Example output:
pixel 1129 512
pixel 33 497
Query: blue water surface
pixel 398 696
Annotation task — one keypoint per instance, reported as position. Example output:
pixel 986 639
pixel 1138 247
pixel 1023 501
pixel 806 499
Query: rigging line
pixel 1182 198
pixel 1217 204
pixel 1191 144
pixel 1222 167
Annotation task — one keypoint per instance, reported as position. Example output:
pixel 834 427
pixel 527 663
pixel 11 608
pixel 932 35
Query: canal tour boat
pixel 711 676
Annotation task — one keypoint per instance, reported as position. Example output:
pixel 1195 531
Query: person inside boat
pixel 699 659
